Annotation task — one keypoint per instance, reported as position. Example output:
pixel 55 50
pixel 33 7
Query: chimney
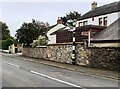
pixel 59 21
pixel 94 5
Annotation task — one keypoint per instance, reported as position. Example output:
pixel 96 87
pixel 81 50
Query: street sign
pixel 84 33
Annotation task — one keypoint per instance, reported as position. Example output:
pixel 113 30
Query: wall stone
pixel 39 52
pixel 108 58
pixel 60 53
pixel 82 55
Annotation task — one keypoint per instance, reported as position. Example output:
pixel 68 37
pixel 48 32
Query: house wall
pixel 64 36
pixel 110 19
pixel 51 39
pixel 107 44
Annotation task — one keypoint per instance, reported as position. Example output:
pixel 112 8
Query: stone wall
pixel 105 57
pixel 60 53
pixel 39 52
pixel 108 58
pixel 91 57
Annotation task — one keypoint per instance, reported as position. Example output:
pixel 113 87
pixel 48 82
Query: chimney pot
pixel 59 21
pixel 94 5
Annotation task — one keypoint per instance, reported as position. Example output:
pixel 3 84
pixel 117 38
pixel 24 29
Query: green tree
pixel 6 43
pixel 74 16
pixel 4 31
pixel 30 31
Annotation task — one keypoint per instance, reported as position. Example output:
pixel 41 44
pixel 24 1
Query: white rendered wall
pixel 110 19
pixel 51 39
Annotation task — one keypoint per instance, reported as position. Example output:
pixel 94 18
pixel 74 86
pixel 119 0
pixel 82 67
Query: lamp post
pixel 73 27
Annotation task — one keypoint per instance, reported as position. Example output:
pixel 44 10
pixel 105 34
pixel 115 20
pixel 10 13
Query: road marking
pixel 43 75
pixel 93 75
pixel 55 79
pixel 11 64
pixel 96 75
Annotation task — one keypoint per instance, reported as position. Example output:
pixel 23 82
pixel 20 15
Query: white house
pixel 109 37
pixel 51 36
pixel 103 15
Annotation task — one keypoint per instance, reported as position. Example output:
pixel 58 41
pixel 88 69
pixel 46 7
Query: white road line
pixel 55 79
pixel 43 75
pixel 93 75
pixel 11 64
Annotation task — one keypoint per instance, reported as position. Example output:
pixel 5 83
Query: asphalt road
pixel 20 73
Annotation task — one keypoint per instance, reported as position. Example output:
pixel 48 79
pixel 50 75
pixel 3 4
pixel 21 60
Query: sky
pixel 15 12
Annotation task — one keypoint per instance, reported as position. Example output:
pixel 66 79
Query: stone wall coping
pixel 37 47
pixel 102 47
pixel 68 43
pixel 41 46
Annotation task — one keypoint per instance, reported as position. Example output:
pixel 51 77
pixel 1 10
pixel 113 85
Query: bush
pixel 41 41
pixel 6 43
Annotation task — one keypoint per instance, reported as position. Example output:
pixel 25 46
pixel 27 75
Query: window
pixel 105 21
pixel 100 21
pixel 92 18
pixel 84 23
pixel 80 24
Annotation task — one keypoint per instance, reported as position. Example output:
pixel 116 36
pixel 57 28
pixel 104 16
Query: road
pixel 20 73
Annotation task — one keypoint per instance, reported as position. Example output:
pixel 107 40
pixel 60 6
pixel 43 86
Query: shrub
pixel 42 40
pixel 6 43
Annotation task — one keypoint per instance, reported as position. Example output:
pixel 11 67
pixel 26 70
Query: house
pixel 51 36
pixel 88 25
pixel 102 16
pixel 109 37
pixel 81 34
pixel 84 33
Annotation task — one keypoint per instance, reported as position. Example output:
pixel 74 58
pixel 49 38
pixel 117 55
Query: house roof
pixel 112 32
pixel 102 10
pixel 85 28
pixel 64 28
pixel 49 27
pixel 55 28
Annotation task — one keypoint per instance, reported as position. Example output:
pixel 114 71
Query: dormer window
pixel 80 23
pixel 105 21
pixel 100 21
pixel 85 23
pixel 92 18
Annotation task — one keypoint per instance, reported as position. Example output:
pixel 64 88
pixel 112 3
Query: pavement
pixel 80 69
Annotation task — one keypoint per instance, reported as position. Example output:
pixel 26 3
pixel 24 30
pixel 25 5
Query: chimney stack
pixel 94 5
pixel 59 21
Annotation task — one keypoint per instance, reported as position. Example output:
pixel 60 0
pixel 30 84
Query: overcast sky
pixel 14 13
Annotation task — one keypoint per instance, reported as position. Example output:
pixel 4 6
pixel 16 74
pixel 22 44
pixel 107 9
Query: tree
pixel 74 16
pixel 30 31
pixel 4 31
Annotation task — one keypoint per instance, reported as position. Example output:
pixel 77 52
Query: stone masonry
pixel 91 57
